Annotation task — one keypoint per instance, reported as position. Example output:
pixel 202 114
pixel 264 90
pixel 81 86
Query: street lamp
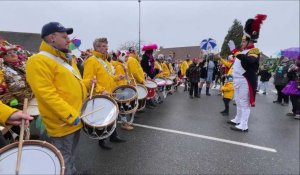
pixel 139 27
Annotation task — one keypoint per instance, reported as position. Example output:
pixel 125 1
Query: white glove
pixel 231 45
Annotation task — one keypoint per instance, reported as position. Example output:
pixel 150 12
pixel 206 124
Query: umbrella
pixel 74 44
pixel 292 53
pixel 208 44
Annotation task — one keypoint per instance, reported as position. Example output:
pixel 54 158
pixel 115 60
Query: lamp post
pixel 139 27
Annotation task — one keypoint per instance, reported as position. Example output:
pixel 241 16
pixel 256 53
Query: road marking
pixel 208 138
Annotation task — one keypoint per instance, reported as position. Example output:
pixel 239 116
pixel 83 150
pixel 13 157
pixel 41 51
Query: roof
pixel 181 53
pixel 30 41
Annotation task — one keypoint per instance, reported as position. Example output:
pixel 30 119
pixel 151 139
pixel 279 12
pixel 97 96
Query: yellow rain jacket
pixel 165 70
pixel 120 70
pixel 184 66
pixel 58 92
pixel 228 64
pixel 228 90
pixel 5 112
pixel 97 65
pixel 171 68
pixel 135 70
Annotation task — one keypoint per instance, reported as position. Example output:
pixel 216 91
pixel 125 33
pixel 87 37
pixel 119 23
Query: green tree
pixel 235 33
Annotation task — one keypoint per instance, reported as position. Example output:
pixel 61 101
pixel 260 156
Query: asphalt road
pixel 190 136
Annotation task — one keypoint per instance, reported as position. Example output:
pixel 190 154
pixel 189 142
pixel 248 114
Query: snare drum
pixel 127 98
pixel 102 123
pixel 169 84
pixel 38 157
pixel 151 86
pixel 33 109
pixel 142 94
pixel 160 81
pixel 172 77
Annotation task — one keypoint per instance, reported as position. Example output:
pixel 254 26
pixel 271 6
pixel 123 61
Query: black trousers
pixel 295 99
pixel 3 141
pixel 281 96
pixel 226 103
pixel 194 89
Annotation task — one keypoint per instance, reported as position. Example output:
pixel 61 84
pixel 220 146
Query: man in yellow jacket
pixel 183 67
pixel 59 90
pixel 98 65
pixel 135 69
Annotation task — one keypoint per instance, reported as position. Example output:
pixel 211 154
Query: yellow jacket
pixel 58 92
pixel 184 66
pixel 164 70
pixel 228 64
pixel 5 112
pixel 135 70
pixel 104 74
pixel 171 68
pixel 189 62
pixel 228 90
pixel 120 70
pixel 1 76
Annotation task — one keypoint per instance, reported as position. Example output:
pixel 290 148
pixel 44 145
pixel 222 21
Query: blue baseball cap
pixel 53 27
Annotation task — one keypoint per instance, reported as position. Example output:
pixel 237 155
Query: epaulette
pixel 254 52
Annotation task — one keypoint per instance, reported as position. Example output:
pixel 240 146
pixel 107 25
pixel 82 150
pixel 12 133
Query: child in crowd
pixel 228 91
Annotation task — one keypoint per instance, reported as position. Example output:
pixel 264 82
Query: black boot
pixel 199 91
pixel 207 91
pixel 104 145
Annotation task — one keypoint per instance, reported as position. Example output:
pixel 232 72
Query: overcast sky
pixel 167 23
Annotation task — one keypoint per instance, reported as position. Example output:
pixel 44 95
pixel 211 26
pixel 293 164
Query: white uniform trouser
pixel 241 96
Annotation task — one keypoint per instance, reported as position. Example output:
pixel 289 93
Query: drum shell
pixel 95 131
pixel 130 105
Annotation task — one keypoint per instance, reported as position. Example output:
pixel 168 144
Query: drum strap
pixel 112 72
pixel 63 63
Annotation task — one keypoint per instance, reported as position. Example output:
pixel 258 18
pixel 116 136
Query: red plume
pixel 259 18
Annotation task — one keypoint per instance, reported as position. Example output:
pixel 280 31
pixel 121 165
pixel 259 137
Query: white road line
pixel 208 138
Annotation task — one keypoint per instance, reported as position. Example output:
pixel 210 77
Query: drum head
pixel 160 81
pixel 33 109
pixel 150 84
pixel 142 91
pixel 169 82
pixel 172 77
pixel 107 111
pixel 38 157
pixel 124 93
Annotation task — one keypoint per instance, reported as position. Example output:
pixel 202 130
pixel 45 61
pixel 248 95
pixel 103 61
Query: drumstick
pixel 133 79
pixel 21 137
pixel 93 86
pixel 86 114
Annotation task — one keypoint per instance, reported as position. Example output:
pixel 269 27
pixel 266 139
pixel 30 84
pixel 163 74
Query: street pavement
pixel 190 136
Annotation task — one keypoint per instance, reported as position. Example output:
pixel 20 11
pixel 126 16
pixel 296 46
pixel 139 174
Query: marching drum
pixel 101 123
pixel 151 86
pixel 142 94
pixel 33 109
pixel 172 77
pixel 160 81
pixel 169 84
pixel 127 98
pixel 38 157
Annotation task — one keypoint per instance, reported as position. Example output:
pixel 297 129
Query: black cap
pixel 53 27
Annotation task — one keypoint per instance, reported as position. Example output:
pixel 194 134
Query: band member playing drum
pixel 58 89
pixel 134 68
pixel 98 65
pixel 121 70
pixel 148 64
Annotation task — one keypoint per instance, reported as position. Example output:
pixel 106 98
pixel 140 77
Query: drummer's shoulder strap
pixel 62 62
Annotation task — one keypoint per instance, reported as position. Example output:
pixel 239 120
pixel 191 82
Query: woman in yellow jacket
pixel 228 92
